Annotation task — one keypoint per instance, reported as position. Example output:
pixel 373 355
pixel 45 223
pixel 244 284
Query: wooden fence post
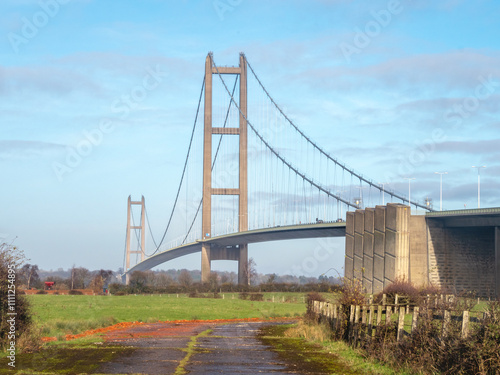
pixel 384 299
pixel 351 323
pixel 401 323
pixel 335 318
pixel 356 325
pixel 370 321
pixel 414 319
pixel 379 314
pixel 446 323
pixel 465 324
pixel 396 299
pixel 388 314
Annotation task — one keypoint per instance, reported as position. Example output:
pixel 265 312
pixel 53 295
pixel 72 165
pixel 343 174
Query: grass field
pixel 58 315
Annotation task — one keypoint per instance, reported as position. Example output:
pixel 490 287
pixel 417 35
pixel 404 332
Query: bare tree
pixel 163 280
pixel 250 271
pixel 80 277
pixel 272 278
pixel 213 281
pixel 101 278
pixel 185 279
pixel 29 275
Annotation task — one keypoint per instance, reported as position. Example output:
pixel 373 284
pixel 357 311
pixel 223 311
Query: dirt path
pixel 205 348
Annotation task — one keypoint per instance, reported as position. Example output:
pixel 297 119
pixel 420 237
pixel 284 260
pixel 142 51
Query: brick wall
pixel 462 259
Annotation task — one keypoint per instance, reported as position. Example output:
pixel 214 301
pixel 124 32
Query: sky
pixel 98 100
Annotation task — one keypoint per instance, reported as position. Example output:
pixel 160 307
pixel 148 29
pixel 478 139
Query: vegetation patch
pixel 58 316
pixel 321 334
pixel 190 350
pixel 68 360
pixel 300 355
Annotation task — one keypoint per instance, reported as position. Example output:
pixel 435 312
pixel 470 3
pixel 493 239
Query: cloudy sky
pixel 98 99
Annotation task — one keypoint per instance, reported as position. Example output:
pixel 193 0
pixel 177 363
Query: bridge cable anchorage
pixel 183 172
pixel 351 171
pixel 213 163
pixel 304 177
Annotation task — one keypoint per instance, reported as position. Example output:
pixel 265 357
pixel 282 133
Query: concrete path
pixel 196 348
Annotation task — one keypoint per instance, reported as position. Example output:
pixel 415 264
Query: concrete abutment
pixel 387 243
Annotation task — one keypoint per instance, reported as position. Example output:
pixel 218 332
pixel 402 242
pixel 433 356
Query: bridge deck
pixel 336 229
pixel 480 217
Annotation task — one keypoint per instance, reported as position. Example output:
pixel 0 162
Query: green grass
pixel 57 315
pixel 353 359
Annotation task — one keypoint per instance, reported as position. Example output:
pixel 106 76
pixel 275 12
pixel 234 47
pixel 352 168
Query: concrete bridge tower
pixel 209 251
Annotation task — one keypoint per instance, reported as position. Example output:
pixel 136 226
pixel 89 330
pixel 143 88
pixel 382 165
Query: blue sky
pixel 393 88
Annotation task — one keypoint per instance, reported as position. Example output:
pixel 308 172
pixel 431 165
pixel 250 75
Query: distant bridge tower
pixel 209 251
pixel 130 227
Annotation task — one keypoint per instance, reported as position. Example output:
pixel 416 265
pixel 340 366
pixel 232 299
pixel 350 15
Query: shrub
pixel 430 290
pixel 114 288
pixel 26 336
pixel 41 292
pixel 406 291
pixel 427 352
pixel 75 292
pixel 256 297
pixel 244 295
pixel 351 292
pixel 314 296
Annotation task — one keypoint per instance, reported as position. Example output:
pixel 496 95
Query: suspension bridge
pixel 250 175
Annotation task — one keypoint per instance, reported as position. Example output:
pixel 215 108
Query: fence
pixel 362 322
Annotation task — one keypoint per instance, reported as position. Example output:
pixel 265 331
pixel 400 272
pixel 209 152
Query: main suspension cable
pixel 183 171
pixel 304 177
pixel 391 193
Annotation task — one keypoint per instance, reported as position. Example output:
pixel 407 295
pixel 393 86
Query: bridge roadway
pixel 316 230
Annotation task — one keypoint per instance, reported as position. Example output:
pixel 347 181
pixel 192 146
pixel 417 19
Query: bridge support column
pixel 142 228
pixel 243 276
pixel 206 263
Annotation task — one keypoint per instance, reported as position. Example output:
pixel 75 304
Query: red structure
pixel 48 285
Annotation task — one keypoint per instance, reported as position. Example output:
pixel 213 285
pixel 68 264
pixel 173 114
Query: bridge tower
pixel 130 227
pixel 210 251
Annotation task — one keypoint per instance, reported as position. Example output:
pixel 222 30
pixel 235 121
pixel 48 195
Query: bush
pixel 41 292
pixel 75 292
pixel 427 352
pixel 25 335
pixel 314 296
pixel 430 290
pixel 243 295
pixel 406 291
pixel 351 292
pixel 114 288
pixel 256 297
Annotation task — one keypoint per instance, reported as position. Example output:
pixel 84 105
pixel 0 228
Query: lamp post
pixel 383 191
pixel 441 189
pixel 479 184
pixel 409 189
